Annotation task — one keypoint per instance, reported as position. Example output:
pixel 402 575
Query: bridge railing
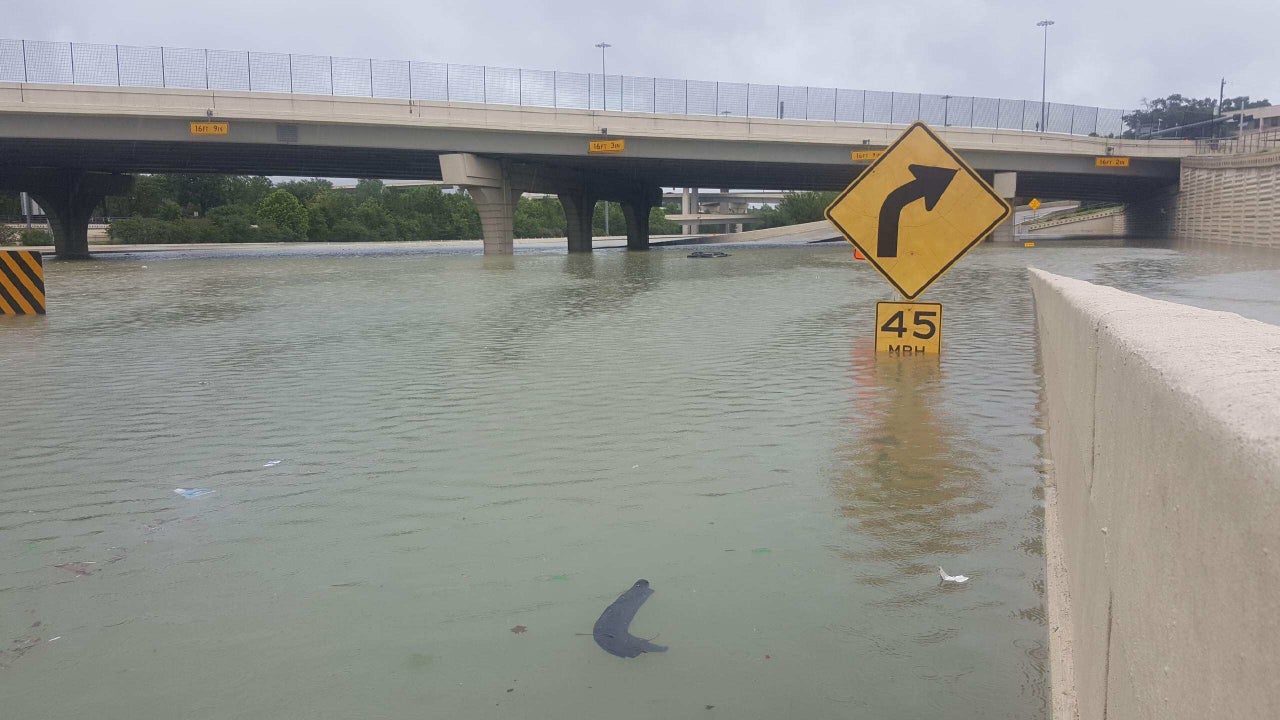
pixel 37 61
pixel 1246 142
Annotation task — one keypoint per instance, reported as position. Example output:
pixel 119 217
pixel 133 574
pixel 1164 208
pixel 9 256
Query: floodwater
pixel 477 455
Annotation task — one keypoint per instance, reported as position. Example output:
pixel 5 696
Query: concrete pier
pixel 68 197
pixel 1161 534
pixel 496 186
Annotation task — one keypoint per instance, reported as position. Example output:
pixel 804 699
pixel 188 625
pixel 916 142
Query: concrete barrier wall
pixel 1163 506
pixel 1230 199
pixel 1099 224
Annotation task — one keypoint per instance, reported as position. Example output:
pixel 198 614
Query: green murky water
pixel 477 455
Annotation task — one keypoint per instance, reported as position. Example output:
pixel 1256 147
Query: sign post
pixel 913 213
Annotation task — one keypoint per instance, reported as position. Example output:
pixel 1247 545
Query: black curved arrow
pixel 929 184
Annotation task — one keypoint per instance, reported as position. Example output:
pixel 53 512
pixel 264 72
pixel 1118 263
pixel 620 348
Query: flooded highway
pixel 433 471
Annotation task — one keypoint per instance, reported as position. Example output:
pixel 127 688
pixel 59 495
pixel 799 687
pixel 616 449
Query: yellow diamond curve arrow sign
pixel 916 210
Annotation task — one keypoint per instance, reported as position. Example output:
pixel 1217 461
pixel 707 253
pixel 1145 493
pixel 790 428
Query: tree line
pixel 1178 111
pixel 188 208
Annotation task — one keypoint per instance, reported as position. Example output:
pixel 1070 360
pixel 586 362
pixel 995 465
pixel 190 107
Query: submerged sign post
pixel 914 213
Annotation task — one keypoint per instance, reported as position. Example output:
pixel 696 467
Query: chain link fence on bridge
pixel 35 61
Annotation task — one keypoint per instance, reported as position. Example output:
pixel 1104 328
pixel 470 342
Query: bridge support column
pixel 636 210
pixel 579 208
pixel 497 208
pixel 68 198
pixel 1006 186
pixel 489 184
pixel 689 206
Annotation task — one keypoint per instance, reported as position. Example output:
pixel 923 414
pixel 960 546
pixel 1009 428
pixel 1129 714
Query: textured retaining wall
pixel 1163 516
pixel 1232 199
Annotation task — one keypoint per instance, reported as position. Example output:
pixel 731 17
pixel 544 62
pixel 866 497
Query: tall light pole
pixel 604 97
pixel 1044 74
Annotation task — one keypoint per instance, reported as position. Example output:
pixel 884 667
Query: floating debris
pixel 272 463
pixel 708 254
pixel 79 568
pixel 193 492
pixel 952 578
pixel 762 551
pixel 611 631
pixel 519 629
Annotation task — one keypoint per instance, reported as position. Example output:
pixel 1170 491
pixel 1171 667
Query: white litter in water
pixel 57 638
pixel 952 578
pixel 193 492
pixel 273 463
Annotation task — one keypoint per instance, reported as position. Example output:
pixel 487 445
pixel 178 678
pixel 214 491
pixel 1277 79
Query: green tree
pixel 369 189
pixel 198 194
pixel 248 189
pixel 234 223
pixel 282 210
pixel 305 190
pixel 327 210
pixel 376 221
pixel 169 210
pixel 144 198
pixel 795 208
pixel 1242 103
pixel 617 221
pixel 660 225
pixel 539 217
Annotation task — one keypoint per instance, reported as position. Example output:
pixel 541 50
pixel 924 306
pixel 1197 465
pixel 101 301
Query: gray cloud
pixel 1110 54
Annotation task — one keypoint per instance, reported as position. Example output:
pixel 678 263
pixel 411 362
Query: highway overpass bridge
pixel 70 144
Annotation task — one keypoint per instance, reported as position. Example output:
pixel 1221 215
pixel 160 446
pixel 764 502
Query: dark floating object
pixel 612 629
pixel 708 254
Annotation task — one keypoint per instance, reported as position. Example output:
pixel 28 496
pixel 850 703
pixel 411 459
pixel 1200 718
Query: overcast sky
pixel 1112 54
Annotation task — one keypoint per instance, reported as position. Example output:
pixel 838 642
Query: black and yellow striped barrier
pixel 21 283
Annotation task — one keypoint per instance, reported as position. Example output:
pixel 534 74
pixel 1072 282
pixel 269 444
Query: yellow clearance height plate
pixel 865 155
pixel 607 146
pixel 210 128
pixel 916 210
pixel 908 328
pixel 1111 161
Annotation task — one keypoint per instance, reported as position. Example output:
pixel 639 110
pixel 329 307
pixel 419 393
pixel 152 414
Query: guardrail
pixel 1247 142
pixel 1069 217
pixel 38 61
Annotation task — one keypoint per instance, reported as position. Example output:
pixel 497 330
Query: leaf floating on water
pixel 519 629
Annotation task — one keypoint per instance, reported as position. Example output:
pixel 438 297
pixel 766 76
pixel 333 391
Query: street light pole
pixel 604 98
pixel 1044 74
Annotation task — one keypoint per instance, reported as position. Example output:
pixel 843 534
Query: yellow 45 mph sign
pixel 916 210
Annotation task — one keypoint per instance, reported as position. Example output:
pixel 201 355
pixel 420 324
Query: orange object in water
pixel 857 254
